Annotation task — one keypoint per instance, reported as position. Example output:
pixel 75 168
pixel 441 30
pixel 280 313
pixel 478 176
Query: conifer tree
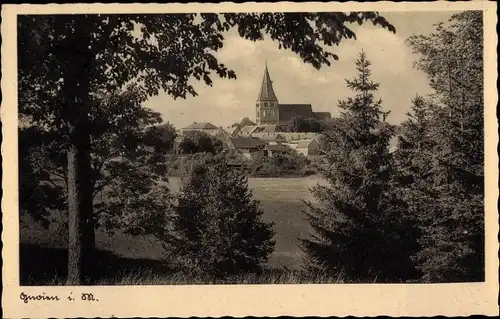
pixel 453 224
pixel 413 164
pixel 415 145
pixel 360 226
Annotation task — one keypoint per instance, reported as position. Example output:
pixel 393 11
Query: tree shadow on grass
pixel 44 266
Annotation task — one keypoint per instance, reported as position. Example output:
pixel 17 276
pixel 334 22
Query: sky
pixel 228 101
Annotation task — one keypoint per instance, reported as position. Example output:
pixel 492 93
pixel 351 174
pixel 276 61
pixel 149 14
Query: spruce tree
pixel 360 226
pixel 413 162
pixel 414 152
pixel 453 225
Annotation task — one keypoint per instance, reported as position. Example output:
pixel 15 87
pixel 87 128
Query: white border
pixel 244 300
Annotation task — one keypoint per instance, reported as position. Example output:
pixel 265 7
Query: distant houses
pixel 255 141
pixel 232 130
pixel 273 139
pixel 276 149
pixel 250 147
pixel 308 148
pixel 270 134
pixel 204 127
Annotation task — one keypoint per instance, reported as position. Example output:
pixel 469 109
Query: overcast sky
pixel 228 101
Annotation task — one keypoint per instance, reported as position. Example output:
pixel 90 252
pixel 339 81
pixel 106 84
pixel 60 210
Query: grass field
pixel 280 199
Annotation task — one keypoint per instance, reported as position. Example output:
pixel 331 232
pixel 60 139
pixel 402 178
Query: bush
pixel 292 164
pixel 218 226
pixel 200 142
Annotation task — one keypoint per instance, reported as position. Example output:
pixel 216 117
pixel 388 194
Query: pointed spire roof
pixel 266 90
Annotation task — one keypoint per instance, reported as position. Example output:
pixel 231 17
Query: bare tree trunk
pixel 75 242
pixel 81 241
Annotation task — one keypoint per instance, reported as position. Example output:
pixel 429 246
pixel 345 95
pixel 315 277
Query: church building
pixel 270 112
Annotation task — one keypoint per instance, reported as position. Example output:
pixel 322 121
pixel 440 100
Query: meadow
pixel 279 198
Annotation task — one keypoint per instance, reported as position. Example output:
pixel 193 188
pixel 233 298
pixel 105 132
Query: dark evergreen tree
pixel 414 147
pixel 218 229
pixel 360 225
pixel 413 164
pixel 453 223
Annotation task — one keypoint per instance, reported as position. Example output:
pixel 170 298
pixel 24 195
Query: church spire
pixel 266 90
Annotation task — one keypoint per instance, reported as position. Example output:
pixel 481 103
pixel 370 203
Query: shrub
pixel 218 226
pixel 200 142
pixel 291 164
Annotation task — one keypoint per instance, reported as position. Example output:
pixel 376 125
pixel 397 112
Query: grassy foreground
pixel 270 277
pixel 126 260
pixel 42 266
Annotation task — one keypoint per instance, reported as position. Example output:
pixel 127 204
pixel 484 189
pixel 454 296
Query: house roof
pixel 288 111
pixel 264 129
pixel 266 90
pixel 305 143
pixel 322 115
pixel 246 142
pixel 231 130
pixel 246 121
pixel 258 129
pixel 248 129
pixel 278 148
pixel 271 129
pixel 273 137
pixel 201 126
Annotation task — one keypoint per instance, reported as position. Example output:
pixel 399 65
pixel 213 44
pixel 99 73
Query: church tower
pixel 267 103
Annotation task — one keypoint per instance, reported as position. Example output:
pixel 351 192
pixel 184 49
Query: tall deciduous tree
pixel 453 229
pixel 360 225
pixel 72 58
pixel 127 147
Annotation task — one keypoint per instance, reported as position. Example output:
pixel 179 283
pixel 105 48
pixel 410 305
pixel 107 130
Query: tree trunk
pixel 81 242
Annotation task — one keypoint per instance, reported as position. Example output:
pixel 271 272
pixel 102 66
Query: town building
pixel 276 149
pixel 270 112
pixel 249 147
pixel 232 130
pixel 308 148
pixel 273 139
pixel 204 127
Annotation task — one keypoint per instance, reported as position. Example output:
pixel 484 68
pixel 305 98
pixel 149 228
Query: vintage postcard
pixel 300 159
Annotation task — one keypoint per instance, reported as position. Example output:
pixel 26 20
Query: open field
pixel 280 199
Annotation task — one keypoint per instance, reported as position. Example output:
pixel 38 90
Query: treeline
pixel 290 164
pixel 415 214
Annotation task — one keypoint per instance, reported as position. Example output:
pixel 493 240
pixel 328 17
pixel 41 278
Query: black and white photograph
pixel 250 148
